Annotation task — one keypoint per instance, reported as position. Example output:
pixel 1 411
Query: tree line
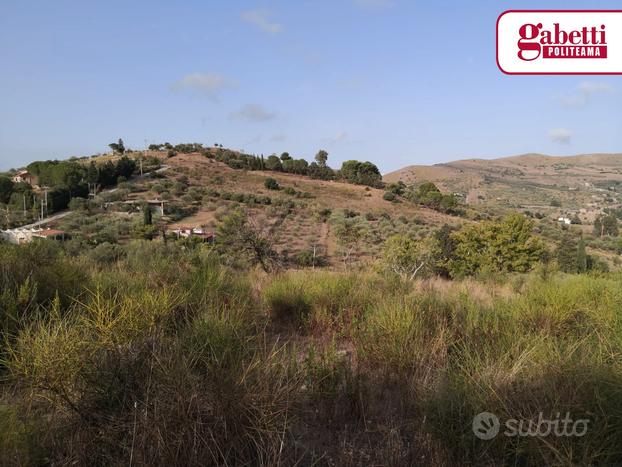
pixel 64 180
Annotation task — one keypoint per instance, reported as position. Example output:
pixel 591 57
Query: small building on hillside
pixel 51 234
pixel 24 177
pixel 27 235
pixel 564 220
pixel 195 232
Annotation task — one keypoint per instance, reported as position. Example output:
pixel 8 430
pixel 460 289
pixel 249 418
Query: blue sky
pixel 396 82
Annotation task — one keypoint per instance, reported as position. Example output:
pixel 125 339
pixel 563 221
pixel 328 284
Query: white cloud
pixel 560 135
pixel 374 3
pixel 592 87
pixel 586 90
pixel 261 19
pixel 338 138
pixel 206 84
pixel 252 113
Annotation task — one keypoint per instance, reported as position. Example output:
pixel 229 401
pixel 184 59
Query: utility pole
pixel 44 202
pixel 8 217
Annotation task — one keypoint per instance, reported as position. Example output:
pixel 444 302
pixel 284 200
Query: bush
pixel 271 184
pixel 389 196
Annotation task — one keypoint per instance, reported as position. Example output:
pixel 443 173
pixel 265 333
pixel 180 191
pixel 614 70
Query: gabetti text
pixel 539 42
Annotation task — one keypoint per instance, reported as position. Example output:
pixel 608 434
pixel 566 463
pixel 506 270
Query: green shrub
pixel 271 184
pixel 389 196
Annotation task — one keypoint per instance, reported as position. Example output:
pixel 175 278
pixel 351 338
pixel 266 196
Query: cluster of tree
pixel 606 224
pixel 428 194
pixel 506 245
pixel 17 197
pixel 286 164
pixel 361 173
pixel 237 160
pixel 119 146
pixel 185 148
pixel 69 179
pixel 571 255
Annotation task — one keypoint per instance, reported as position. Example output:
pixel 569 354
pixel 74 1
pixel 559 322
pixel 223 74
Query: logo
pixel 560 42
pixel 536 42
pixel 486 426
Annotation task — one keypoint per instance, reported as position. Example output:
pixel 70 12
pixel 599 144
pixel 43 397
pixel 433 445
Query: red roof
pixel 49 233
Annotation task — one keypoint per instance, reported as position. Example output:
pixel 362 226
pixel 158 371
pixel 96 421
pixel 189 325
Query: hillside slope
pixel 529 180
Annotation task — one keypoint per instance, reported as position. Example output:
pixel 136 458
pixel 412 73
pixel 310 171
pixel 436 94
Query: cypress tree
pixel 147 216
pixel 567 254
pixel 581 257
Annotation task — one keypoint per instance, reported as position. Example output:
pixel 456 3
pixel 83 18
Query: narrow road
pixel 53 218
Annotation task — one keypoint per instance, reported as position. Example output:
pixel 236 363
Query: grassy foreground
pixel 164 357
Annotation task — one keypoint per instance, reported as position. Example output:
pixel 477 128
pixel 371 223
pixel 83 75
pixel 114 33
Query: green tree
pixel 610 225
pixel 125 167
pixel 405 257
pixel 606 224
pixel 582 258
pixel 147 214
pixel 350 232
pixel 118 146
pixel 443 250
pixel 274 163
pixel 92 174
pixel 242 237
pixel 567 255
pixel 6 189
pixel 320 173
pixel 507 245
pixel 321 158
pixel 361 173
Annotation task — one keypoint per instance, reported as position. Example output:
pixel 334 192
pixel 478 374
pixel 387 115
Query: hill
pixel 531 181
pixel 198 187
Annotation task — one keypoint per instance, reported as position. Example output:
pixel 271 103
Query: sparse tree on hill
pixel 606 225
pixel 242 237
pixel 350 232
pixel 118 146
pixel 321 158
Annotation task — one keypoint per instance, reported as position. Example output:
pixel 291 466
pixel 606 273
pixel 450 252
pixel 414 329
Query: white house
pixel 24 177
